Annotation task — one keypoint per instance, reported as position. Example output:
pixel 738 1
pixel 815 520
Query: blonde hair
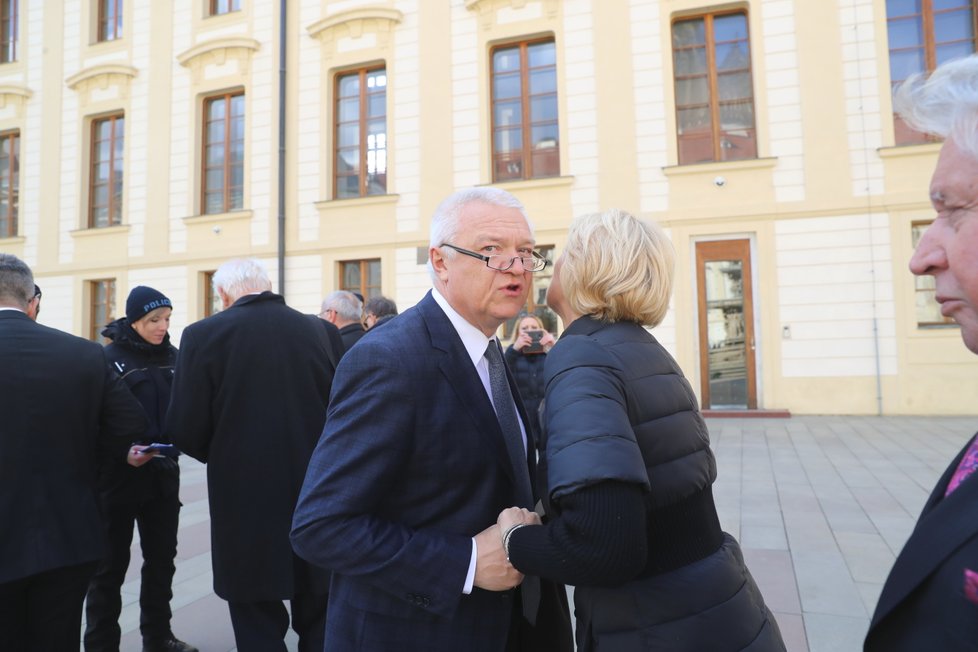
pixel 618 268
pixel 519 322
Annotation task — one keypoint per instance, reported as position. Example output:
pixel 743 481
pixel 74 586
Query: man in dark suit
pixel 249 398
pixel 345 311
pixel 62 407
pixel 930 599
pixel 413 465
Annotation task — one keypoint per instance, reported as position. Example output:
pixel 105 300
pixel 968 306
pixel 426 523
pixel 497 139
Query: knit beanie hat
pixel 144 299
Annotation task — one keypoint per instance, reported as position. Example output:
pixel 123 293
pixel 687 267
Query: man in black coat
pixel 61 406
pixel 249 398
pixel 930 599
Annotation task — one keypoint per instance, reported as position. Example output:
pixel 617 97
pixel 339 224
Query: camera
pixel 534 346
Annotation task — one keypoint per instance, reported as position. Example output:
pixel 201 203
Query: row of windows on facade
pixel 714 108
pixel 108 22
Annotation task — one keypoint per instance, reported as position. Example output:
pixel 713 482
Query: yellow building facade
pixel 146 142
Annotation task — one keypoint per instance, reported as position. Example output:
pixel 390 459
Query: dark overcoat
pixel 249 398
pixel 411 465
pixel 930 599
pixel 60 405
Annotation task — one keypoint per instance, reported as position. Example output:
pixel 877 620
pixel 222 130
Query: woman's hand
pixel 522 341
pixel 137 457
pixel 547 340
pixel 516 516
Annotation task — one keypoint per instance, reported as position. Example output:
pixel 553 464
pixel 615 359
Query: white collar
pixel 473 339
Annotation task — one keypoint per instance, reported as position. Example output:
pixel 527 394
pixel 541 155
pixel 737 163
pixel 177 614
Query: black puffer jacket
pixel 620 413
pixel 147 369
pixel 528 374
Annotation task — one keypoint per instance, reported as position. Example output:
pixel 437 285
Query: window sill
pixel 12 240
pixel 525 184
pixel 721 166
pixel 102 47
pixel 208 218
pixel 329 204
pixel 98 231
pixel 903 151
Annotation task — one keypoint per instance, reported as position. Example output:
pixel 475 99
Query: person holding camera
pixel 525 356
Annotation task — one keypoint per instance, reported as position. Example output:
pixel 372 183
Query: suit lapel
pixel 944 525
pixel 455 365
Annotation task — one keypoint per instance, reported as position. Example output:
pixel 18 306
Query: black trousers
pixel 43 611
pixel 157 520
pixel 261 626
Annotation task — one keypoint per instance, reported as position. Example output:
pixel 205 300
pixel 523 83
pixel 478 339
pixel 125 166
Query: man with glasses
pixel 34 305
pixel 345 311
pixel 425 441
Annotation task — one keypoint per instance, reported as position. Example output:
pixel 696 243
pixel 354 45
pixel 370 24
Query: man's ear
pixel 438 263
pixel 226 300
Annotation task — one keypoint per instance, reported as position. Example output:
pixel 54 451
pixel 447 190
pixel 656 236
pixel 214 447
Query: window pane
pixel 237 105
pixel 905 33
pixel 690 62
pixel 902 7
pixel 214 202
pixel 507 114
pixel 351 276
pixel 215 132
pixel 100 195
pixel 215 180
pixel 939 5
pixel 695 119
pixel 544 136
pixel 543 81
pixel 348 160
pixel 688 32
pixel 953 26
pixel 348 186
pixel 373 272
pixel 954 51
pixel 737 115
pixel 509 140
pixel 734 86
pixel 695 90
pixel 348 110
pixel 348 135
pixel 377 105
pixel 906 63
pixel 237 129
pixel 732 27
pixel 349 85
pixel 542 54
pixel 216 110
pixel 237 176
pixel 215 155
pixel 732 56
pixel 506 60
pixel 236 151
pixel 506 86
pixel 376 80
pixel 543 108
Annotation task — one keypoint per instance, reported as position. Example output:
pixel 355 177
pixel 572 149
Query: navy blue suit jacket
pixel 410 466
pixel 923 605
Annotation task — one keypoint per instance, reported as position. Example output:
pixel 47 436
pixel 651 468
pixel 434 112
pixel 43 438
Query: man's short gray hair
pixel 16 282
pixel 945 103
pixel 444 223
pixel 242 276
pixel 345 303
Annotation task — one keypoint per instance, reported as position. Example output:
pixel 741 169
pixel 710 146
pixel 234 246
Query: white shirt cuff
pixel 470 576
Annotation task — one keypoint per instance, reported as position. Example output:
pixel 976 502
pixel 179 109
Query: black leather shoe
pixel 171 644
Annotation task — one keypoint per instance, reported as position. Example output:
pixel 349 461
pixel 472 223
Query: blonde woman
pixel 632 522
pixel 525 357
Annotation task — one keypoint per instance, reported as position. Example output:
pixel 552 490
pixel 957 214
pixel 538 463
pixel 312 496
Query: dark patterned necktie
pixel 502 399
pixel 968 465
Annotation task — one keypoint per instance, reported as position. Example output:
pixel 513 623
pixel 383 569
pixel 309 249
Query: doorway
pixel 728 373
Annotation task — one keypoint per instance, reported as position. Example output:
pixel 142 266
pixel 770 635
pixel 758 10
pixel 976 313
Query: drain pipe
pixel 281 146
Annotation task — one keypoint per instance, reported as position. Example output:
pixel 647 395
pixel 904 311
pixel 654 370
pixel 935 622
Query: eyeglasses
pixel 532 263
pixel 37 295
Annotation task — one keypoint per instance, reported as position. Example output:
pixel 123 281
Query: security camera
pixel 719 182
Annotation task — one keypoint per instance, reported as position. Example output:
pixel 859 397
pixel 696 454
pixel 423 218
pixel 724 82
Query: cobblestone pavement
pixel 821 506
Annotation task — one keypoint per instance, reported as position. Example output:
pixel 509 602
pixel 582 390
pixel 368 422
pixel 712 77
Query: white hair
pixel 444 223
pixel 945 103
pixel 345 303
pixel 242 276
